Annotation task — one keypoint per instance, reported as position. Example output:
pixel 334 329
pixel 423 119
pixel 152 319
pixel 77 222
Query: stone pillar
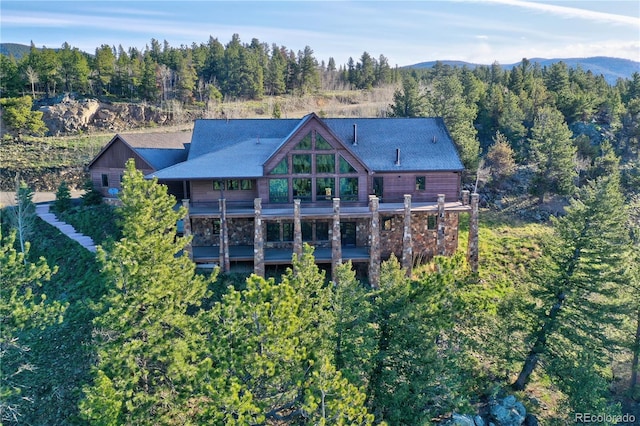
pixel 258 239
pixel 186 229
pixel 407 246
pixel 472 250
pixel 440 239
pixel 297 229
pixel 465 197
pixel 225 265
pixel 374 250
pixel 336 239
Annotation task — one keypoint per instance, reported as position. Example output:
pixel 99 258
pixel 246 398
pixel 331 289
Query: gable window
pixel 420 183
pixel 278 190
pixel 325 163
pixel 105 180
pixel 345 167
pixel 302 189
pixel 321 143
pixel 301 163
pixel 349 189
pixel 325 188
pixel 304 144
pixel 281 169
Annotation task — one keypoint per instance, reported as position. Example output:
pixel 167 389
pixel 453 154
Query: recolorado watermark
pixel 621 419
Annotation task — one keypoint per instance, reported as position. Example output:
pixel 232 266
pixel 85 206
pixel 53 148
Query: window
pixel 345 167
pixel 325 188
pixel 325 163
pixel 307 231
pixel 349 189
pixel 105 180
pixel 378 186
pixel 287 231
pixel 273 231
pixel 301 163
pixel 233 184
pixel 432 222
pixel 278 190
pixel 321 143
pixel 277 231
pixel 218 185
pixel 281 169
pixel 420 183
pixel 302 189
pixel 322 231
pixel 246 184
pixel 305 143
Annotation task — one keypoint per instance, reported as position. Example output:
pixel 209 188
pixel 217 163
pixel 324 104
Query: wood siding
pixel 395 185
pixel 112 163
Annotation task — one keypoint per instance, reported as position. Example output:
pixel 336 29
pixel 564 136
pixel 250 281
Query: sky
pixel 405 32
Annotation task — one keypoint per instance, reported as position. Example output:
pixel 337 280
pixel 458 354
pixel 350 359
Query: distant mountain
pixel 14 49
pixel 610 68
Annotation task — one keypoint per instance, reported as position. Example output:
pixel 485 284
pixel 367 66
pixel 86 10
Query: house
pixel 356 189
pixel 150 151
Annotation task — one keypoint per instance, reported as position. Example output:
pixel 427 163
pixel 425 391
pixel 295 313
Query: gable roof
pixel 239 148
pixel 159 150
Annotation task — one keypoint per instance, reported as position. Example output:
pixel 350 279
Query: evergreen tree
pixel 147 369
pixel 579 286
pixel 416 372
pixel 63 198
pixel 22 307
pixel 446 100
pixel 18 116
pixel 409 102
pixel 271 354
pixel 552 153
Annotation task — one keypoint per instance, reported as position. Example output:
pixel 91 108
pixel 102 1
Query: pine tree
pixel 552 152
pixel 148 338
pixel 63 198
pixel 579 284
pixel 271 356
pixel 409 102
pixel 21 308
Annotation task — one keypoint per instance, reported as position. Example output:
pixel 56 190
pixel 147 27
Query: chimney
pixel 355 134
pixel 397 156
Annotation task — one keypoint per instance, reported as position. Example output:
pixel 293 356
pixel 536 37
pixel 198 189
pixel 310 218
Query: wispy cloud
pixel 571 12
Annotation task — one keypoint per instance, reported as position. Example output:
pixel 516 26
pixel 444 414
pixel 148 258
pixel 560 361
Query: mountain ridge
pixel 611 68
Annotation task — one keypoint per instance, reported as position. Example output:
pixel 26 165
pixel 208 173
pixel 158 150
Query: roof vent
pixel 258 140
pixel 434 140
pixel 355 135
pixel 397 156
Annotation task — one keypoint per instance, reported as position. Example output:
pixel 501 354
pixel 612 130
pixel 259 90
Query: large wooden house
pixel 356 189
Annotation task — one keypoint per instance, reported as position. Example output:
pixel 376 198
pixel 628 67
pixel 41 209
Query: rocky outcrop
pixel 69 116
pixel 501 412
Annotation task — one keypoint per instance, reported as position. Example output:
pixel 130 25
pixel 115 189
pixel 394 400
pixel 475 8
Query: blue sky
pixel 406 32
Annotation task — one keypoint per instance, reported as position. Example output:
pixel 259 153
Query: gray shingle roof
pixel 239 148
pixel 424 143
